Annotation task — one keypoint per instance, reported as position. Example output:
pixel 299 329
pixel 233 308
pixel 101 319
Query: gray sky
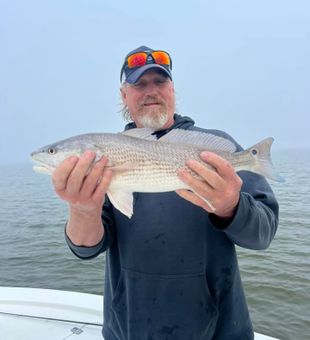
pixel 240 66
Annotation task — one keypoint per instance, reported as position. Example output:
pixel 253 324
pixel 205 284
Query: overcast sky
pixel 240 66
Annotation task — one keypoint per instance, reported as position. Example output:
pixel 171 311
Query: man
pixel 171 270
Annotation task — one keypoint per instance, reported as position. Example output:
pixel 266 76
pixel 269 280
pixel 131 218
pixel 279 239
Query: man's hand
pixel 83 185
pixel 84 190
pixel 219 186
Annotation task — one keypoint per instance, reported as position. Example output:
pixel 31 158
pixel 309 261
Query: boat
pixel 49 314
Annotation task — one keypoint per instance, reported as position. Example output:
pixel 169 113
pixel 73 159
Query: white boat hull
pixel 36 314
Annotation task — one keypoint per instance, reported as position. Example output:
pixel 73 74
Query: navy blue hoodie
pixel 171 270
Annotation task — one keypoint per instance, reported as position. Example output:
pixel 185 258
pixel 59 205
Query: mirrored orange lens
pixel 136 60
pixel 161 58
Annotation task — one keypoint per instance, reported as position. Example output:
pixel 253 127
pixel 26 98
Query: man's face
pixel 151 100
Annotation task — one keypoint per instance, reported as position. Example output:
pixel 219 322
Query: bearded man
pixel 171 270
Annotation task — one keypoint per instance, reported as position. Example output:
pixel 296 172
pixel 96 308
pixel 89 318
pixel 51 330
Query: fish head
pixel 49 157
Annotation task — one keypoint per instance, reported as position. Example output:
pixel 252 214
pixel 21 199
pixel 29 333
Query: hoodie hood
pixel 180 122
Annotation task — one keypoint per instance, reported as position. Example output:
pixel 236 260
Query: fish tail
pixel 262 164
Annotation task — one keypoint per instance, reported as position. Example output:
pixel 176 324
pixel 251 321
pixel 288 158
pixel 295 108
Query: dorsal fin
pixel 143 133
pixel 199 139
pixel 186 137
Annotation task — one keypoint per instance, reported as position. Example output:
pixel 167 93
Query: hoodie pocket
pixel 163 307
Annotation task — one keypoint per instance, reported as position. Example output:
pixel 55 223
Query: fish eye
pixel 254 152
pixel 51 151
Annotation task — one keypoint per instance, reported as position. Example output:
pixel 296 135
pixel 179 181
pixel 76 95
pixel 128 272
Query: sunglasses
pixel 139 59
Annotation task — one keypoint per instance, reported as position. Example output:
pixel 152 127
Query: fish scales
pixel 154 164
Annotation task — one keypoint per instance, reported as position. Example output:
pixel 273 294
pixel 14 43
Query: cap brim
pixel 135 75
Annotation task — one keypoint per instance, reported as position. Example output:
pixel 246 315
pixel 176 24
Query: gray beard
pixel 155 122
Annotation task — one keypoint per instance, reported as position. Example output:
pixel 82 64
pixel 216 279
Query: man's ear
pixel 123 95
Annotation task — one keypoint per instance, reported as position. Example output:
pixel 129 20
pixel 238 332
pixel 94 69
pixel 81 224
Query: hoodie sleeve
pixel 84 252
pixel 256 219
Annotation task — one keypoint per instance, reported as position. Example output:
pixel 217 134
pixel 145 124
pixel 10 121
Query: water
pixel 277 280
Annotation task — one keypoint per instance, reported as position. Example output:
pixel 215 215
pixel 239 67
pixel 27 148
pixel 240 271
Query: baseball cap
pixel 151 59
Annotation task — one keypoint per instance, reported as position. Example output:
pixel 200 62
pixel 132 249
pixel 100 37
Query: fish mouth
pixel 41 167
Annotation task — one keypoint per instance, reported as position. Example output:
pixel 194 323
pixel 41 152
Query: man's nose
pixel 151 88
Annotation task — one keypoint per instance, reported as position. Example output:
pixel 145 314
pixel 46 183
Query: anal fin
pixel 122 201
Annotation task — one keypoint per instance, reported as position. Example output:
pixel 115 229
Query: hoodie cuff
pixel 84 252
pixel 223 223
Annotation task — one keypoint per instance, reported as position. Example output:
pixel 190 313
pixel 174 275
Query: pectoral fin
pixel 122 201
pixel 127 166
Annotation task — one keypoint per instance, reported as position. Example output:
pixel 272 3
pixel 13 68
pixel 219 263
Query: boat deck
pixel 36 314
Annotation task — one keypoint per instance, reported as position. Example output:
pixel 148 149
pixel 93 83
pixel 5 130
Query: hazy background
pixel 240 66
